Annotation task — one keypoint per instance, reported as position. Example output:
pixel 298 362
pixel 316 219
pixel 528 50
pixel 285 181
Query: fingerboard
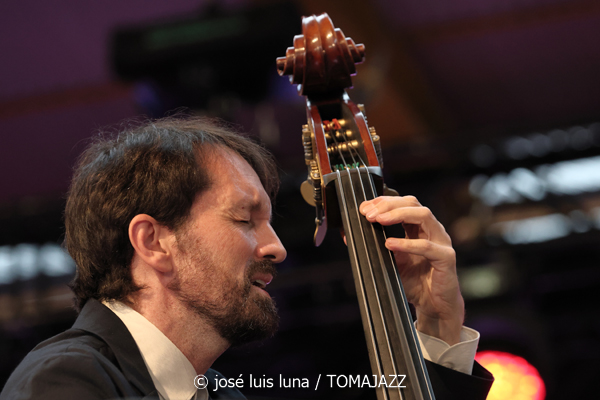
pixel 392 341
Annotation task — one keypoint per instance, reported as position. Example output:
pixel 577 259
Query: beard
pixel 237 314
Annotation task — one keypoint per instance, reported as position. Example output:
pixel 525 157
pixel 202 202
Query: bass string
pixel 363 234
pixel 408 330
pixel 371 187
pixel 370 180
pixel 362 295
pixel 378 362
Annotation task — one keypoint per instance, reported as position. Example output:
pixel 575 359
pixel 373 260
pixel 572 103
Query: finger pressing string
pixel 387 203
pixel 409 215
pixel 422 247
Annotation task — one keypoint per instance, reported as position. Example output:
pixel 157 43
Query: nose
pixel 270 247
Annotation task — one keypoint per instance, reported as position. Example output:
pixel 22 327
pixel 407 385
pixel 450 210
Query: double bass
pixel 343 157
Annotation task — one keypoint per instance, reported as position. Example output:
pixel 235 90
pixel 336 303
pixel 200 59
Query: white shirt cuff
pixel 459 357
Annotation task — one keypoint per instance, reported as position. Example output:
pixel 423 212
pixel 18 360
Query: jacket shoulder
pixel 73 364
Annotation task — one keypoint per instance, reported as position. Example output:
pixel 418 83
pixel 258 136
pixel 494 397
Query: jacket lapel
pixel 97 319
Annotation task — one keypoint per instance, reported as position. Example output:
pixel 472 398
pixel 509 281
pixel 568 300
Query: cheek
pixel 221 258
pixel 238 245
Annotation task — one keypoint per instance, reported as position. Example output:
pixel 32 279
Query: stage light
pixel 515 378
pixel 534 229
pixel 571 177
pixel 27 261
pixel 478 282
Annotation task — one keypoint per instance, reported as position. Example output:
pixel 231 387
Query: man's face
pixel 226 250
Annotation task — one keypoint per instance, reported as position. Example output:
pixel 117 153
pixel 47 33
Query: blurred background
pixel 489 113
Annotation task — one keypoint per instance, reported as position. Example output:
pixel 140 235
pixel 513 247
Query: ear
pixel 151 242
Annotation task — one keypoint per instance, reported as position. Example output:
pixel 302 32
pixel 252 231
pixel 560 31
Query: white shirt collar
pixel 172 373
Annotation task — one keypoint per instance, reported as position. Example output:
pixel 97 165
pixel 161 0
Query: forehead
pixel 233 179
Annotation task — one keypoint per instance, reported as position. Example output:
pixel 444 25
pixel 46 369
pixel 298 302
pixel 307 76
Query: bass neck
pixel 399 371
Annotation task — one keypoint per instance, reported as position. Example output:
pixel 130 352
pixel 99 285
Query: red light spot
pixel 515 378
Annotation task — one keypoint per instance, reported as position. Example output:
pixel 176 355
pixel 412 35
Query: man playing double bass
pixel 169 224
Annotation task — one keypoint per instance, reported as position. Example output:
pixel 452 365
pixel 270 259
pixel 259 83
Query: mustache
pixel 262 266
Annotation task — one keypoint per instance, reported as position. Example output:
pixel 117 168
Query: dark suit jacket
pixel 98 359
